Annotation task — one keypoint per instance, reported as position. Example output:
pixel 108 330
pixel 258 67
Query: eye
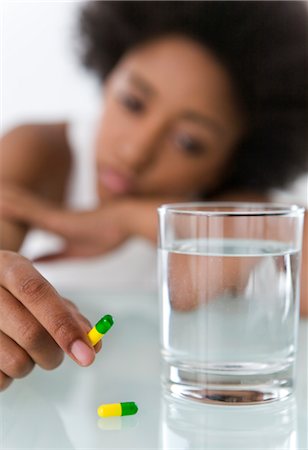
pixel 132 103
pixel 189 144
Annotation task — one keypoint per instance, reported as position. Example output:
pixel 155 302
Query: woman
pixel 201 100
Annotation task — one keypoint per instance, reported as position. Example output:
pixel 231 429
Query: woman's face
pixel 170 123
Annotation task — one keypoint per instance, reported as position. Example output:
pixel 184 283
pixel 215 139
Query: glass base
pixel 229 388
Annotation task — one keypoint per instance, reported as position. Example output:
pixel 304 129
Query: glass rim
pixel 256 209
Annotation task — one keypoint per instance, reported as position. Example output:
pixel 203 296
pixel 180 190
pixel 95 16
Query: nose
pixel 139 146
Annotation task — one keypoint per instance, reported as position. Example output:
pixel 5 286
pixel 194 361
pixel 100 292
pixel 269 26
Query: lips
pixel 115 182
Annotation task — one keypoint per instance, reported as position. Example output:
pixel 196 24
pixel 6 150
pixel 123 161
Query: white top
pixel 131 267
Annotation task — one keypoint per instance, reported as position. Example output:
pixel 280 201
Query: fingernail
pixel 82 353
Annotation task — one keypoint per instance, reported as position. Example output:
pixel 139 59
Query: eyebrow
pixel 193 116
pixel 142 84
pixel 204 120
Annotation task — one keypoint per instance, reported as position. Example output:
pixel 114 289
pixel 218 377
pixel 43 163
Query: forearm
pixel 35 159
pixel 142 219
pixel 247 196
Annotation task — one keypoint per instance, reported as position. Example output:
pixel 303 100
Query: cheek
pixel 114 129
pixel 210 174
pixel 187 177
pixel 106 136
pixel 100 141
pixel 200 172
pixel 175 179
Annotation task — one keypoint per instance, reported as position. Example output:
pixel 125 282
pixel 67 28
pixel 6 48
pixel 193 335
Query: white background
pixel 41 76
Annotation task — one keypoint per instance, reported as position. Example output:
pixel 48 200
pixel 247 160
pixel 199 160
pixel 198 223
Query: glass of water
pixel 229 284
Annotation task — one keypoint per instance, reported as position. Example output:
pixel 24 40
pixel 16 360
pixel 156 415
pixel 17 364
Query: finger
pixel 41 299
pixel 5 381
pixel 21 204
pixel 87 328
pixel 26 207
pixel 86 323
pixel 14 361
pixel 97 347
pixel 73 251
pixel 23 328
pixel 51 257
pixel 71 305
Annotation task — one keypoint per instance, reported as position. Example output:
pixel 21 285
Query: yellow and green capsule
pixel 117 409
pixel 101 328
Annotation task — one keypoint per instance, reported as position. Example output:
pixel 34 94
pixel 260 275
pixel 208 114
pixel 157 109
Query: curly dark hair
pixel 263 45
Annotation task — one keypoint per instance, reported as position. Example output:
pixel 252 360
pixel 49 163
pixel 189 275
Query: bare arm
pixel 36 323
pixel 120 220
pixel 144 220
pixel 37 158
pixel 249 196
pixel 145 224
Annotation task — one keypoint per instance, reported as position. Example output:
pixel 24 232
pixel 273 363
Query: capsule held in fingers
pixel 101 328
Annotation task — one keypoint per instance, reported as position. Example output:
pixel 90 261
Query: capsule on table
pixel 117 409
pixel 101 328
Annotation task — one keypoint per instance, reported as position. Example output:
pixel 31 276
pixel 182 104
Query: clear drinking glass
pixel 229 283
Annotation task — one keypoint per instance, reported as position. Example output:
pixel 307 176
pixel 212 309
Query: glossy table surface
pixel 57 409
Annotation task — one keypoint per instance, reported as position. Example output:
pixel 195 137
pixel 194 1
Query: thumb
pixel 44 303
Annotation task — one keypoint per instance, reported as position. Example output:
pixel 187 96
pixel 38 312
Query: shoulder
pixel 48 137
pixel 35 147
pixel 36 156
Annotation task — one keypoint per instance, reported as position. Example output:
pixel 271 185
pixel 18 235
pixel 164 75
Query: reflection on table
pixel 57 409
pixel 187 426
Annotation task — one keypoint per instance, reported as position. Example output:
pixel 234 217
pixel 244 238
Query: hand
pixel 86 233
pixel 36 324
